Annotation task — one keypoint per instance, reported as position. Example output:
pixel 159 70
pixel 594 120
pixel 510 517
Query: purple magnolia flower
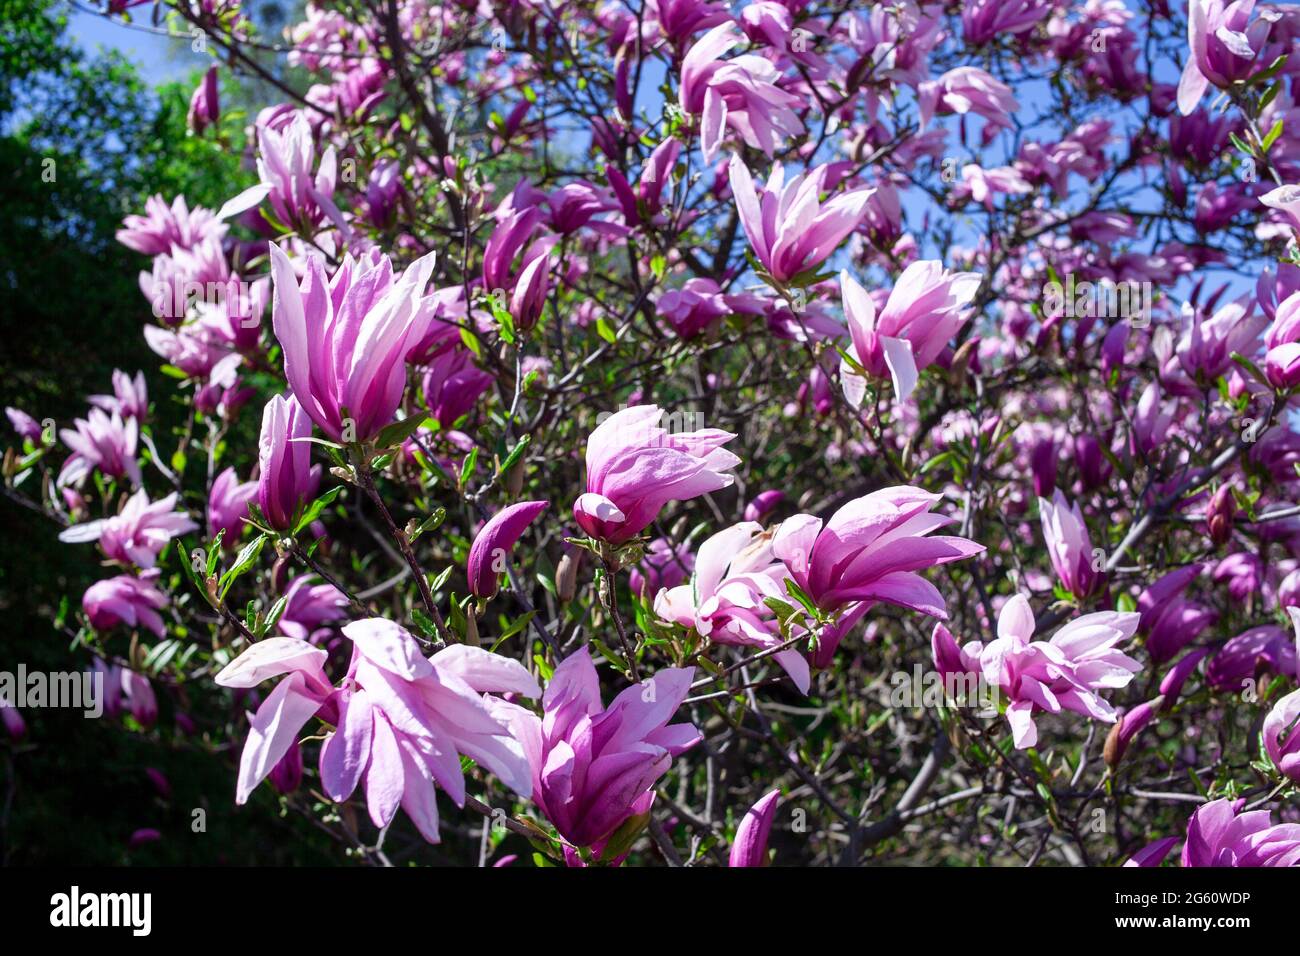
pixel 308 607
pixel 699 303
pixel 228 505
pixel 275 726
pixel 871 550
pixel 1266 647
pixel 345 339
pixel 1223 43
pixel 1282 360
pixel 383 192
pixel 1069 546
pixel 405 720
pixel 1068 672
pixel 741 93
pixel 647 199
pixel 924 310
pixel 513 236
pixel 205 106
pixel 1286 200
pixel 635 467
pixel 101 442
pixel 128 600
pixel 1206 346
pixel 1281 732
pixel 749 848
pixel 126 691
pixel 138 533
pixel 163 227
pixel 968 89
pixel 130 397
pixel 1171 685
pixel 663 566
pixel 26 426
pixel 285 159
pixel 982 20
pixel 1219 834
pixel 790 229
pixel 735 571
pixel 12 719
pixel 286 476
pixel 596 767
pixel 490 552
pixel 763 504
pixel 1131 724
pixel 1169 620
pixel 452 385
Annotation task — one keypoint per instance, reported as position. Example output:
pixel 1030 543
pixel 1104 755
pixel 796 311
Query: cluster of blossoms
pixel 666 403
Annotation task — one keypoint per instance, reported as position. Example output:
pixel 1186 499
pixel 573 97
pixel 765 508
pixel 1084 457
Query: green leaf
pixel 605 330
pixel 515 454
pixel 245 560
pixel 390 436
pixel 467 466
pixel 316 507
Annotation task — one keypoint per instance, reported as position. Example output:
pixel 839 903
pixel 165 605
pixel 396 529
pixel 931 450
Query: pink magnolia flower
pixel 735 571
pixel 1266 647
pixel 749 848
pixel 1169 620
pixel 345 339
pixel 924 310
pixel 1069 546
pixel 163 227
pixel 130 397
pixel 1069 672
pixel 871 550
pixel 1285 199
pixel 308 607
pixel 635 467
pixel 646 201
pixel 126 691
pixel 138 533
pixel 1206 345
pixel 763 504
pixel 1223 43
pixel 968 89
pixel 26 426
pixel 1281 733
pixel 228 505
pixel 982 20
pixel 284 712
pixel 492 545
pixel 699 303
pixel 1282 340
pixel 205 105
pixel 285 160
pixel 405 720
pixel 741 93
pixel 790 229
pixel 452 385
pixel 286 476
pixel 12 719
pixel 1219 834
pixel 101 442
pixel 595 767
pixel 126 599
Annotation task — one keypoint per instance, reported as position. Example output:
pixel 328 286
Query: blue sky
pixel 159 58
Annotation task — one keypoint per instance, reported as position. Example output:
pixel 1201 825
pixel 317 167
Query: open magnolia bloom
pixel 735 572
pixel 403 721
pixel 1068 672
